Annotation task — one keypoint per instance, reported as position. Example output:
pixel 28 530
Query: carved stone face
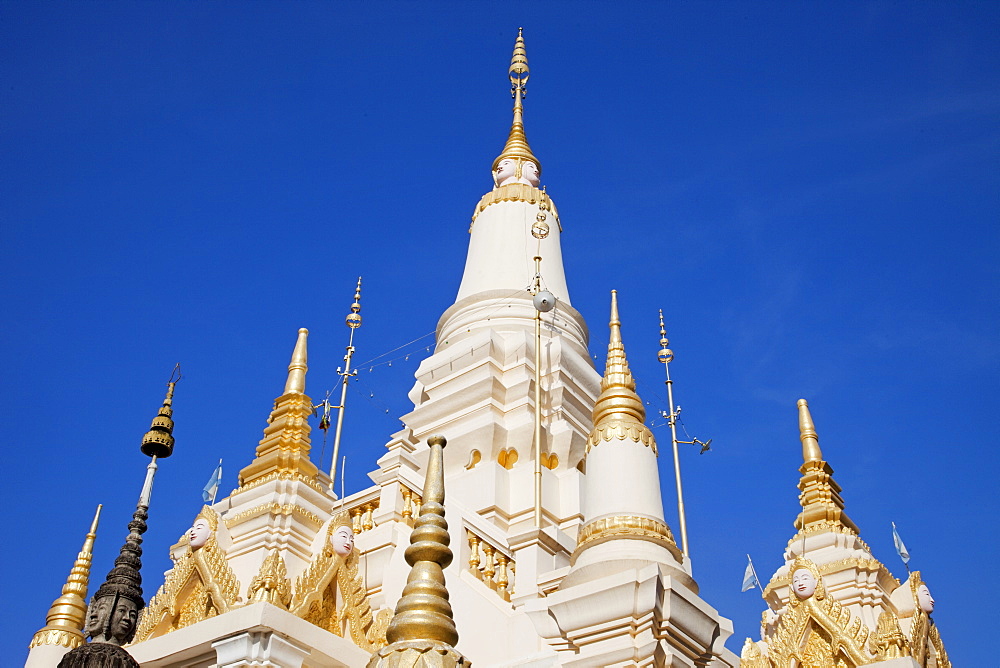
pixel 96 614
pixel 123 619
pixel 199 534
pixel 924 599
pixel 803 583
pixel 342 541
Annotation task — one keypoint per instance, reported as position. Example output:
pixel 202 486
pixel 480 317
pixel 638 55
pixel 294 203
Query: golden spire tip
pixel 67 615
pixel 297 368
pixel 618 397
pixel 807 434
pixel 517 147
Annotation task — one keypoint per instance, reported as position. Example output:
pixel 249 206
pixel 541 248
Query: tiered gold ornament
pixel 64 623
pixel 283 453
pixel 422 633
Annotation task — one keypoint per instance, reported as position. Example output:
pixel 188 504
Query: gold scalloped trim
pixel 515 192
pixel 620 430
pixel 60 637
pixel 276 509
pixel 281 475
pixel 627 526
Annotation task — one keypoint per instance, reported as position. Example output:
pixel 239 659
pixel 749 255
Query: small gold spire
pixel 422 632
pixel 296 382
pixel 618 399
pixel 68 613
pixel 819 492
pixel 517 143
pixel 284 450
pixel 807 434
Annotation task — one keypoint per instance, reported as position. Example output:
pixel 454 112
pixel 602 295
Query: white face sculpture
pixel 199 534
pixel 506 171
pixel 803 583
pixel 342 541
pixel 529 173
pixel 924 599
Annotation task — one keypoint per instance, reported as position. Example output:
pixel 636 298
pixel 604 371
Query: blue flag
pixel 749 576
pixel 212 487
pixel 900 548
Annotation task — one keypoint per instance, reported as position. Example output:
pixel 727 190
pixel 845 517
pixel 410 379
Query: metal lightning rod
pixel 666 355
pixel 353 321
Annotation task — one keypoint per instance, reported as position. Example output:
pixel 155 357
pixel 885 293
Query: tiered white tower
pixel 583 572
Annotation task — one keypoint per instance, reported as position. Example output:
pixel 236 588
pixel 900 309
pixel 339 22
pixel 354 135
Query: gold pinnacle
pixel 807 434
pixel 422 632
pixel 68 613
pixel 517 143
pixel 618 399
pixel 298 367
pixel 819 493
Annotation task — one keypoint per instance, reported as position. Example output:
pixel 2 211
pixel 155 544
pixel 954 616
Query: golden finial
pixel 422 632
pixel 296 382
pixel 666 355
pixel 807 434
pixel 517 147
pixel 284 450
pixel 618 399
pixel 68 613
pixel 819 493
pixel 354 317
pixel 159 440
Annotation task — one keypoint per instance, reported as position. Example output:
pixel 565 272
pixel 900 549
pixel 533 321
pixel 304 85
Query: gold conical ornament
pixel 68 613
pixel 284 450
pixel 422 633
pixel 618 412
pixel 517 147
pixel 822 505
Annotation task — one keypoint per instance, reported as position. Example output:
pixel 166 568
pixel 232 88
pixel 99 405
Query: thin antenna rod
pixel 666 355
pixel 536 288
pixel 754 571
pixel 353 322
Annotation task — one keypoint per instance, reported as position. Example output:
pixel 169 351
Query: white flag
pixel 749 577
pixel 900 548
pixel 212 487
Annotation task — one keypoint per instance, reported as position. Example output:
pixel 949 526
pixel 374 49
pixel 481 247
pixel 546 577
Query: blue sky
pixel 808 190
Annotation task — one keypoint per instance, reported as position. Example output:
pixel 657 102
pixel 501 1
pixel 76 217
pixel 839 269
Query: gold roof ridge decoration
pixel 314 594
pixel 285 447
pixel 618 412
pixel 200 585
pixel 819 492
pixel 68 613
pixel 422 632
pixel 517 143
